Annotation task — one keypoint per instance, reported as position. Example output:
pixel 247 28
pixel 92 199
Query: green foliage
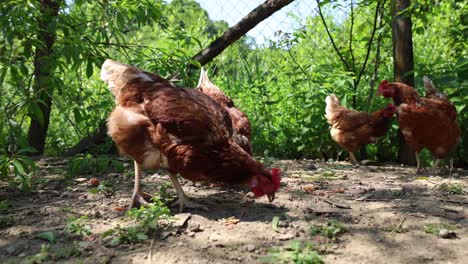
pixel 435 228
pixel 47 253
pixel 125 235
pixel 5 206
pixel 332 229
pixel 103 188
pixel 148 216
pixel 452 188
pixel 18 170
pixel 164 195
pixel 296 252
pixel 6 220
pixel 77 226
pixel 48 236
pixel 147 221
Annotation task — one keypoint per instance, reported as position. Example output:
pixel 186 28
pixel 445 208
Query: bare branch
pixel 377 58
pixel 369 45
pixel 346 65
pixel 235 32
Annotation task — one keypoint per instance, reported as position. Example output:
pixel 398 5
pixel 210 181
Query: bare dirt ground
pixel 384 208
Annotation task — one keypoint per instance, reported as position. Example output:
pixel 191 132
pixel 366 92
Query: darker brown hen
pixel 424 122
pixel 161 125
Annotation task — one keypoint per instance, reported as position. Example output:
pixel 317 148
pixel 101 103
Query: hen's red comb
pixel 384 82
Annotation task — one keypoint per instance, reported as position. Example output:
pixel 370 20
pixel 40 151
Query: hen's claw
pixel 139 199
pixel 421 170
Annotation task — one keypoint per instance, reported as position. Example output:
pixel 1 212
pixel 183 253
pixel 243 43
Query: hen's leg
pixel 183 200
pixel 137 196
pixel 353 159
pixel 436 164
pixel 419 168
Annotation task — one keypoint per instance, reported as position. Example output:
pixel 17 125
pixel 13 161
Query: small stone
pixel 180 244
pixel 194 226
pixel 191 234
pixel 205 247
pixel 81 180
pixel 444 233
pixel 22 255
pixel 250 248
pixel 285 237
pixel 283 224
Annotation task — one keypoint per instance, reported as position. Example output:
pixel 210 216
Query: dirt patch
pixel 385 209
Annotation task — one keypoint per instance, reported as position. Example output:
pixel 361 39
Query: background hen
pixel 352 129
pixel 184 130
pixel 429 122
pixel 240 122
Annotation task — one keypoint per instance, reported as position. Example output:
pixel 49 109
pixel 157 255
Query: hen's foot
pixel 184 202
pixel 139 199
pixel 421 170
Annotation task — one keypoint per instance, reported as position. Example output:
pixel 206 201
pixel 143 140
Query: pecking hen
pixel 429 122
pixel 352 129
pixel 160 125
pixel 240 122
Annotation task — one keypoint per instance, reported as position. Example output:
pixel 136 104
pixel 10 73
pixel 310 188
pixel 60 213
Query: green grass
pixel 435 228
pixel 147 222
pixel 331 230
pixel 78 226
pixel 296 252
pixel 452 188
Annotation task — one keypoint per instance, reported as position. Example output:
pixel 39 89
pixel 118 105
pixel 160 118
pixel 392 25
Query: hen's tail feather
pixel 431 90
pixel 204 82
pixel 332 103
pixel 203 78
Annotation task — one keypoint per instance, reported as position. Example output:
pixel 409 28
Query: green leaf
pixel 89 69
pixel 77 114
pixel 274 223
pixel 18 166
pixel 47 235
pixel 142 236
pixel 36 113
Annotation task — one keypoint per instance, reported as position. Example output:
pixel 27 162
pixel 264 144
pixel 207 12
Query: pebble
pixel 283 224
pixel 285 237
pixel 194 226
pixel 250 248
pixel 444 233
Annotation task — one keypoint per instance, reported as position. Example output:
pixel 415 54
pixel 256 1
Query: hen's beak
pixel 271 197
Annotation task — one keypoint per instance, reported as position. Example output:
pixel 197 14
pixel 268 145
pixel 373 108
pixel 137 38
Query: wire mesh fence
pixel 286 20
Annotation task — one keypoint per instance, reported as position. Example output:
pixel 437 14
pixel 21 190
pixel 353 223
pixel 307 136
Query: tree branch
pixel 377 59
pixel 369 45
pixel 234 33
pixel 346 65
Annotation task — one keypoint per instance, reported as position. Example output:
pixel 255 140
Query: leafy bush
pixel 18 170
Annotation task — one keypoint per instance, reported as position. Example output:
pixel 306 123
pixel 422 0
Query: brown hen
pixel 352 129
pixel 429 122
pixel 160 125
